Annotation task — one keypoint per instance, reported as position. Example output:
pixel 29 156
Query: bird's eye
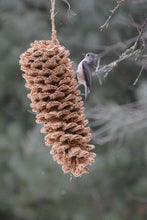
pixel 88 54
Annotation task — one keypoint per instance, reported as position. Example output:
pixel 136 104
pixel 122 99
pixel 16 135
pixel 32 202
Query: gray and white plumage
pixel 84 71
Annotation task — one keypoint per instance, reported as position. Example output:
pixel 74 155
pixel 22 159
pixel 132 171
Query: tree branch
pixel 131 51
pixel 113 11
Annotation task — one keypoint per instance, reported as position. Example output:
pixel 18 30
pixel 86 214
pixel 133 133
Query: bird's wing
pixel 87 73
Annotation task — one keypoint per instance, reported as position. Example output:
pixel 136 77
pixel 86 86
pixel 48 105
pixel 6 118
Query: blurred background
pixel 32 185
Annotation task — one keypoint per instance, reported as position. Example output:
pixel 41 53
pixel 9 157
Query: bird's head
pixel 90 57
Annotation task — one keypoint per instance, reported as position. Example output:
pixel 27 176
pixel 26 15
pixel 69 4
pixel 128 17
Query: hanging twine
pixel 54 97
pixel 54 36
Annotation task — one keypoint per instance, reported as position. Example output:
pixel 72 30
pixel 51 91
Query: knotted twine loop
pixel 54 36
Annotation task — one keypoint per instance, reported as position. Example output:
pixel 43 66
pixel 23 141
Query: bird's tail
pixel 86 92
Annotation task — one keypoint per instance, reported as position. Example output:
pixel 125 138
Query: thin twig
pixel 140 34
pixel 135 82
pixel 113 11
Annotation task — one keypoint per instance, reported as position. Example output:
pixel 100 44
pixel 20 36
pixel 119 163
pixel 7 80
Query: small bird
pixel 85 69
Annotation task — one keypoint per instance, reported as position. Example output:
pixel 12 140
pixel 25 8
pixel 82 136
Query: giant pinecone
pixel 56 100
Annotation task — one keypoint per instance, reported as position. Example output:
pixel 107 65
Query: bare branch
pixel 109 67
pixel 130 52
pixel 113 11
pixel 140 34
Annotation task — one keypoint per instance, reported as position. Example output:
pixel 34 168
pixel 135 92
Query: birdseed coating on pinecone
pixel 55 99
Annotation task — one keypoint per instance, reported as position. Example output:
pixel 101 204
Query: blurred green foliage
pixel 32 185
